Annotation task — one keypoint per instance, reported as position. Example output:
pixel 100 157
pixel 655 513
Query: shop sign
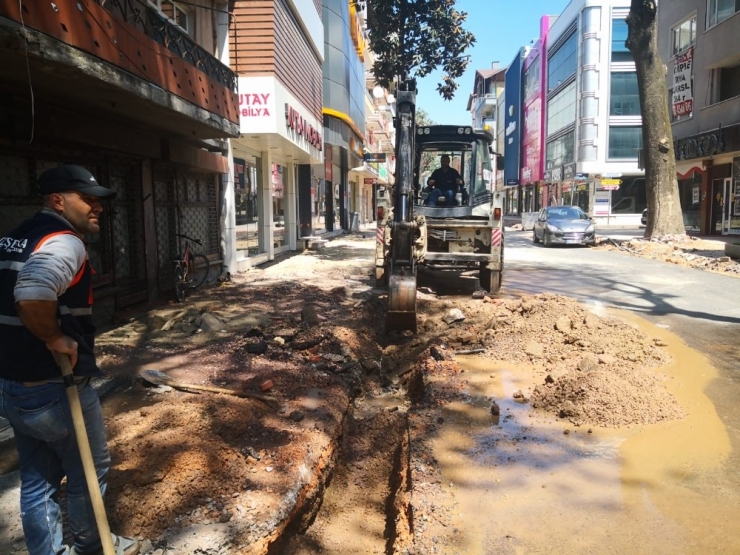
pixel 569 170
pixel 547 176
pixel 369 181
pixel 682 96
pixel 616 182
pixel 295 121
pixel 255 105
pixel 695 194
pixel 699 146
pixel 557 174
pixel 373 157
pixel 512 182
pixel 581 177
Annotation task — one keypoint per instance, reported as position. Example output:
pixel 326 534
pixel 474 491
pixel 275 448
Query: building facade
pixel 512 131
pixel 483 101
pixel 380 138
pixel 344 98
pixel 277 51
pixel 593 124
pixel 698 41
pixel 138 92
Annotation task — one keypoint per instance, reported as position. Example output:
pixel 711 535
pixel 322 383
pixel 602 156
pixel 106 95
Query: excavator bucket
pixel 401 303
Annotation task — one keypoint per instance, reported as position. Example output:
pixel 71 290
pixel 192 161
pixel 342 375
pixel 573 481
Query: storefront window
pixel 630 198
pixel 318 205
pixel 245 204
pixel 560 151
pixel 279 236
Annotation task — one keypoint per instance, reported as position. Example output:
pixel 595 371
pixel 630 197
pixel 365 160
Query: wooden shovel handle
pixel 83 443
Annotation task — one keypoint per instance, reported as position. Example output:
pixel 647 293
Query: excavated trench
pixel 363 507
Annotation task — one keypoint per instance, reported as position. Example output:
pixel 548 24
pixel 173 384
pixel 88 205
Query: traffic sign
pixel 611 181
pixel 610 175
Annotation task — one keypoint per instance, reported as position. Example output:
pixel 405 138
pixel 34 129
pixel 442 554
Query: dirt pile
pixel 597 370
pixel 682 250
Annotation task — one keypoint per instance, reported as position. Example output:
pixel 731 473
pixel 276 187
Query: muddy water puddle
pixel 527 482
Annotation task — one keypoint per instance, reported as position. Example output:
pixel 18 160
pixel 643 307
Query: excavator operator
pixel 445 182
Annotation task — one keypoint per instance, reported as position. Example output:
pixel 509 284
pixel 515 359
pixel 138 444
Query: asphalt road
pixel 702 308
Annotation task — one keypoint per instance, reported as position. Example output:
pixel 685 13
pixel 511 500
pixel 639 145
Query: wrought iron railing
pixel 149 21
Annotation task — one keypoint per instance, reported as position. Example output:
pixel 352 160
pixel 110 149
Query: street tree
pixel 423 118
pixel 412 38
pixel 663 201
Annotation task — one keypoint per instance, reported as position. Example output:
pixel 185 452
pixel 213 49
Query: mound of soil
pixel 682 250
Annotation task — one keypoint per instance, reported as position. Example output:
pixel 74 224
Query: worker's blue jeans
pixel 47 448
pixel 436 193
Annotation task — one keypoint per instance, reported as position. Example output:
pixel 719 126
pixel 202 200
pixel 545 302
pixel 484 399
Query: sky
pixel 500 27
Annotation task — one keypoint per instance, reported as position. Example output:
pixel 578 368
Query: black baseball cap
pixel 72 178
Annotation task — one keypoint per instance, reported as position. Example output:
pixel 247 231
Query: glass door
pixel 727 207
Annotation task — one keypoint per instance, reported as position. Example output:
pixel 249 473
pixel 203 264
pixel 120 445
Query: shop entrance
pixel 721 206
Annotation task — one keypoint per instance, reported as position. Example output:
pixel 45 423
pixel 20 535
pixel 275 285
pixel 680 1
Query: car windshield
pixel 566 213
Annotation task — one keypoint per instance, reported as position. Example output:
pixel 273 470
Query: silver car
pixel 563 225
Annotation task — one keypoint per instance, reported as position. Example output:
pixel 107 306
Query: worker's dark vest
pixel 24 357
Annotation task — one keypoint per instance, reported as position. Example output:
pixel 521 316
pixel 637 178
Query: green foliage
pixel 422 118
pixel 415 37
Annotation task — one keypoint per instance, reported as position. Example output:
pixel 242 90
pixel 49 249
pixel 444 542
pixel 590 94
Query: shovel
pixel 91 477
pixel 160 378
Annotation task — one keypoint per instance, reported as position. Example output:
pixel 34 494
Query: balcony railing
pixel 484 101
pixel 156 26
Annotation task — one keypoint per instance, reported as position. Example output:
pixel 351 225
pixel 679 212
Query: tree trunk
pixel 663 202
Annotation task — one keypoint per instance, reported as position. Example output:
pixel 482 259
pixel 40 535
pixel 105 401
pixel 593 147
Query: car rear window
pixel 564 214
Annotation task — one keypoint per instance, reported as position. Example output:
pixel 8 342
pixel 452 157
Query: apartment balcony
pixel 121 58
pixel 484 106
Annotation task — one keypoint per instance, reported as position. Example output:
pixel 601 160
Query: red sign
pixel 254 105
pixel 300 125
pixel 682 95
pixel 370 181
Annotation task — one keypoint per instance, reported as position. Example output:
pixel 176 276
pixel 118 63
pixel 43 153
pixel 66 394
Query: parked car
pixel 643 219
pixel 563 225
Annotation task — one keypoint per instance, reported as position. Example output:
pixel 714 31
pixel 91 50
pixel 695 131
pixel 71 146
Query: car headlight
pixel 552 229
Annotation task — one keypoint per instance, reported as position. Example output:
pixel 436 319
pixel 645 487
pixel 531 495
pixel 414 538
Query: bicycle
pixel 190 270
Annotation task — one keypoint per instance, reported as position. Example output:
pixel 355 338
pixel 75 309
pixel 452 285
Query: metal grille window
pixel 185 202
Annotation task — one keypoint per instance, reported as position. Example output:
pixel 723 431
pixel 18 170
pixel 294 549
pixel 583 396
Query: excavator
pixel 419 225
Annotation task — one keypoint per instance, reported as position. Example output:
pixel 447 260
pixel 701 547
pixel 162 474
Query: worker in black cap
pixel 46 309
